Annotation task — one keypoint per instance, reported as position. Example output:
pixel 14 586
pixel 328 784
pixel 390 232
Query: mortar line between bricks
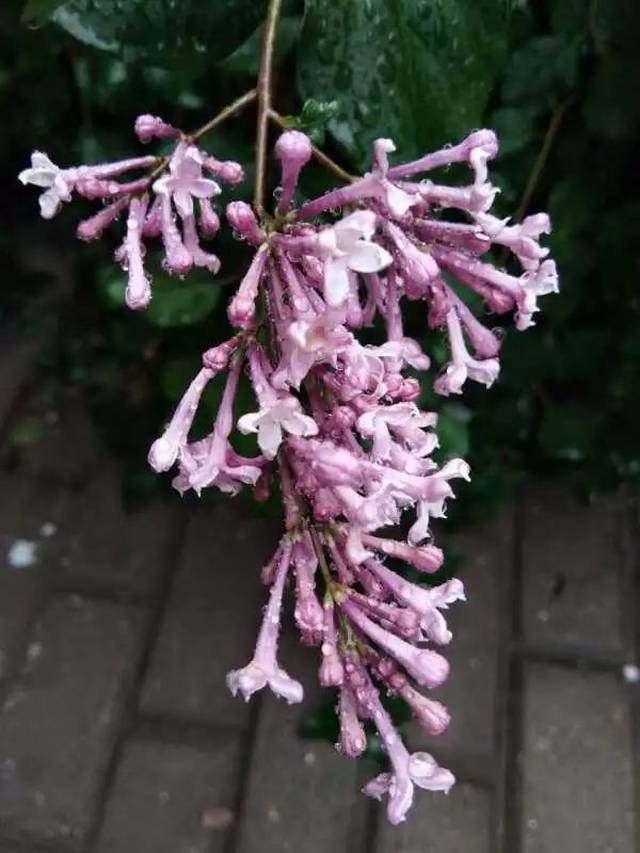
pixel 184 731
pixel 98 593
pixel 633 520
pixel 243 777
pixel 156 610
pixel 371 829
pixel 570 656
pixel 25 844
pixel 505 819
pixel 19 656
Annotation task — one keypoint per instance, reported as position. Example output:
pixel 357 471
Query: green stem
pixel 264 102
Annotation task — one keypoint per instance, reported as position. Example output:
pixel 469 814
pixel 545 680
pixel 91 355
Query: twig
pixel 320 156
pixel 538 167
pixel 541 159
pixel 264 102
pixel 230 110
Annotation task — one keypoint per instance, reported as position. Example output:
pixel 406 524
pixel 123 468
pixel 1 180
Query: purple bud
pixel 243 220
pixel 91 229
pixel 227 170
pixel 209 220
pixel 148 127
pixel 293 149
pixel 353 740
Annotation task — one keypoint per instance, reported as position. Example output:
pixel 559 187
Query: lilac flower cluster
pixel 336 419
pixel 154 204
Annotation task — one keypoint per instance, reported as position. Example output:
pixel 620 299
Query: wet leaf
pixel 418 71
pixel 148 28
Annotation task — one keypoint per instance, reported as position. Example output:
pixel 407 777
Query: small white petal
pixel 249 422
pixel 336 281
pixel 269 437
pixel 368 257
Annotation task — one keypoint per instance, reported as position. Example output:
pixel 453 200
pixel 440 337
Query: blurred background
pixel 121 607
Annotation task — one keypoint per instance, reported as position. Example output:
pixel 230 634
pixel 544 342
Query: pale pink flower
pixel 184 181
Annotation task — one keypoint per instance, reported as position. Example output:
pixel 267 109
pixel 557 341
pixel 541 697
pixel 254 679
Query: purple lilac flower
pixel 336 419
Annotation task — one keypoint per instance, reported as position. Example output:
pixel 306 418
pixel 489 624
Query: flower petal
pixel 286 687
pixel 49 202
pixel 269 437
pixel 336 281
pixel 368 257
pixel 249 422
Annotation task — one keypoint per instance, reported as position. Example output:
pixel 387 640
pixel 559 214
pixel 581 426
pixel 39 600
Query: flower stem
pixel 320 156
pixel 225 113
pixel 264 102
pixel 228 111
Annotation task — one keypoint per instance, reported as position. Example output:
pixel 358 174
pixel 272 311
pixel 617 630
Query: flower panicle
pixel 340 420
pixel 171 201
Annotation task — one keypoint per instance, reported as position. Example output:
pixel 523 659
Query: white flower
pixel 348 246
pixel 57 187
pixel 436 508
pixel 253 678
pixel 406 349
pixel 405 420
pixel 463 365
pixel 539 283
pixel 397 201
pixel 419 769
pixel 284 413
pixel 310 341
pixel 185 180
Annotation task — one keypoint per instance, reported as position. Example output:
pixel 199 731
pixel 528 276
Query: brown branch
pixel 230 110
pixel 541 160
pixel 264 102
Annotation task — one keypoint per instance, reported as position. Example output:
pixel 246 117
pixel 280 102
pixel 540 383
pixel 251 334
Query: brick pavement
pixel 117 734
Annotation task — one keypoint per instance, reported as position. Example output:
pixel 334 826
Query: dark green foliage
pixel 423 72
pixel 409 70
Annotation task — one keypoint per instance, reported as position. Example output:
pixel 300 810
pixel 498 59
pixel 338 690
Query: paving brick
pixel 212 617
pixel 21 587
pixel 571 560
pixel 16 355
pixel 469 692
pixel 95 542
pixel 171 799
pixel 576 763
pixel 58 722
pixel 302 795
pixel 457 823
pixel 100 543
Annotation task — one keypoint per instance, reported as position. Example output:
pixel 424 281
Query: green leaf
pixel 177 374
pixel 514 126
pixel 605 112
pixel 36 12
pixel 154 28
pixel 419 71
pixel 314 118
pixel 181 303
pixel 26 431
pixel 569 432
pixel 321 724
pixel 542 72
pixel 453 431
pixel 571 16
pixel 246 58
pixel 615 26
